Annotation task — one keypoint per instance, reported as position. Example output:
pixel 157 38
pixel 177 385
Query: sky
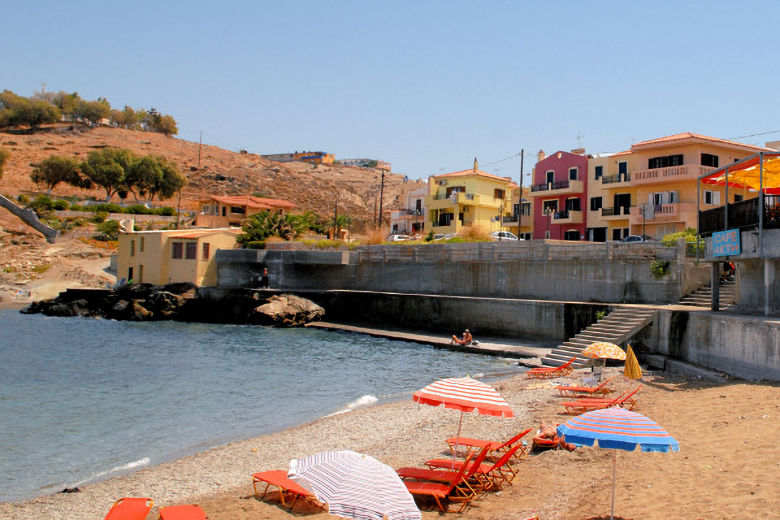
pixel 425 85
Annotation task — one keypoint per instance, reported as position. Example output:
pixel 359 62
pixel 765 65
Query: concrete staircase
pixel 703 296
pixel 616 327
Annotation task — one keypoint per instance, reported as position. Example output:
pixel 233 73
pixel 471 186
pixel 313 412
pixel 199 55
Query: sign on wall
pixel 726 243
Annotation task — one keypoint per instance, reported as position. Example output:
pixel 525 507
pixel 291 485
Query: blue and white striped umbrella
pixel 355 485
pixel 619 429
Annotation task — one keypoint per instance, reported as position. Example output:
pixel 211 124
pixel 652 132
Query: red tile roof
pixel 691 136
pixel 204 232
pixel 470 171
pixel 253 202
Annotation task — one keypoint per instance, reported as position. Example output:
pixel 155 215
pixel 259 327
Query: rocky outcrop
pixel 287 310
pixel 179 302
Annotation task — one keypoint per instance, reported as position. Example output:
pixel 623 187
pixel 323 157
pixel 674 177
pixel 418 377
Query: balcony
pixel 674 212
pixel 742 215
pixel 459 198
pixel 616 213
pixel 619 180
pixel 557 188
pixel 567 217
pixel 685 172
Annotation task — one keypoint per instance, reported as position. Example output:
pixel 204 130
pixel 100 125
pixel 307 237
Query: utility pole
pixel 200 143
pixel 335 216
pixel 520 202
pixel 381 195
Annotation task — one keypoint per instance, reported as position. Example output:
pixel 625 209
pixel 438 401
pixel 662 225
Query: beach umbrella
pixel 464 394
pixel 355 485
pixel 618 429
pixel 632 369
pixel 603 350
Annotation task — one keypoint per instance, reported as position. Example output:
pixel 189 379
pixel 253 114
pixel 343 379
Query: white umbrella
pixel 355 485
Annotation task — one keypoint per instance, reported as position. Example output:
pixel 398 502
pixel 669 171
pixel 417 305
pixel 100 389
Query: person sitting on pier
pixel 466 340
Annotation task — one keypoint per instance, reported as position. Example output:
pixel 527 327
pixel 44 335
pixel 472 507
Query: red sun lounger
pixel 582 391
pixel 130 509
pixel 288 489
pixel 445 495
pixel 625 400
pixel 186 512
pixel 492 476
pixel 448 476
pixel 550 372
pixel 494 447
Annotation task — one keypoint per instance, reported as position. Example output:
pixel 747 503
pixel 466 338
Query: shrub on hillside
pixel 108 231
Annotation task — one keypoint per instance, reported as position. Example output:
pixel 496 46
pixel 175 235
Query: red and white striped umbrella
pixel 464 394
pixel 355 485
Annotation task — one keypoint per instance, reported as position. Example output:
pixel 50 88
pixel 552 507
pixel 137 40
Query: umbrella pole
pixel 457 440
pixel 614 465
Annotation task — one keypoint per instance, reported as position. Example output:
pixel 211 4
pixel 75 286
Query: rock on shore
pixel 146 302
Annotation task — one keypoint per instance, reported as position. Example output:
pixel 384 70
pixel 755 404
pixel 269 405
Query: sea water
pixel 87 399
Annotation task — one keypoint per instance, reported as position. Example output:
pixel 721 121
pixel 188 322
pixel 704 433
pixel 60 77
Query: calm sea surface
pixel 83 400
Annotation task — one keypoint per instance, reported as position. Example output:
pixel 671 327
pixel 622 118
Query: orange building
pixel 216 211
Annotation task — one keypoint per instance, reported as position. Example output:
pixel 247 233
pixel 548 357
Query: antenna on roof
pixel 476 165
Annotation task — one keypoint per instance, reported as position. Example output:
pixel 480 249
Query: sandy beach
pixel 728 465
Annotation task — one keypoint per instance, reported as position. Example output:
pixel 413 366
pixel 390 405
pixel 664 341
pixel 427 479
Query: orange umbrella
pixel 603 350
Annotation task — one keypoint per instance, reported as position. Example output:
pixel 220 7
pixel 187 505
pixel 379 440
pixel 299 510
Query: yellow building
pixel 522 213
pixel 172 256
pixel 610 196
pixel 468 198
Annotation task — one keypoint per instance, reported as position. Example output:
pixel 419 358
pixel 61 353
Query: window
pixel 550 176
pixel 141 273
pixel 738 198
pixel 445 219
pixel 707 159
pixel 599 172
pixel 141 245
pixel 132 248
pixel 572 174
pixel 192 249
pixel 206 248
pixel 572 235
pixel 239 210
pixel 616 234
pixel 665 161
pixel 595 203
pixel 177 250
pixel 526 208
pixel 622 167
pixel 547 234
pixel 712 197
pixel 455 189
pixel 658 198
pixel 549 206
pixel 573 204
pixel 498 194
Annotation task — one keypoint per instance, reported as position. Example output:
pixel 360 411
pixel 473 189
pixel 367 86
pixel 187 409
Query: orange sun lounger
pixel 550 372
pixel 130 509
pixel 186 512
pixel 444 494
pixel 492 476
pixel 494 447
pixel 578 391
pixel 287 488
pixel 448 476
pixel 625 400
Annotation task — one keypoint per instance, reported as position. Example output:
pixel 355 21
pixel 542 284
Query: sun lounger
pixel 288 489
pixel 186 512
pixel 550 372
pixel 578 391
pixel 130 509
pixel 625 400
pixel 494 447
pixel 444 494
pixel 448 476
pixel 492 476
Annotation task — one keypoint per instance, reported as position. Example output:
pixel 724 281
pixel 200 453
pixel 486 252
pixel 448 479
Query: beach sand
pixel 728 465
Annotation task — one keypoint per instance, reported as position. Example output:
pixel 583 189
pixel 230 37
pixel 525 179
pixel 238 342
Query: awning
pixel 746 174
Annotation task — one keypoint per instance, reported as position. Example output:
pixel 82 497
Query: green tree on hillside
pixel 93 111
pixel 17 110
pixel 4 154
pixel 107 168
pixel 167 125
pixel 54 170
pixel 172 180
pixel 127 118
pixel 67 103
pixel 264 224
pixel 144 176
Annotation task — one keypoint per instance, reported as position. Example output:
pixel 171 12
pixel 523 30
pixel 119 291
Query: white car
pixel 503 235
pixel 398 238
pixel 637 238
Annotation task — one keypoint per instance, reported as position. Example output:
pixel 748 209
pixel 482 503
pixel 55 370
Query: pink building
pixel 559 189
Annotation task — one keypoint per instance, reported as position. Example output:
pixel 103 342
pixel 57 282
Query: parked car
pixel 398 238
pixel 638 238
pixel 443 236
pixel 503 235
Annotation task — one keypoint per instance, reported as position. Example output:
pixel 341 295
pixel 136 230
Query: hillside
pixel 32 269
pixel 221 172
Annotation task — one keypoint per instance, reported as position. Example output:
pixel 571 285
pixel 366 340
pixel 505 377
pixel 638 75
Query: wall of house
pixel 560 162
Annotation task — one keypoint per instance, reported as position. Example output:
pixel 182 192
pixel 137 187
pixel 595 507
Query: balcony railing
pixel 414 212
pixel 618 177
pixel 550 186
pixel 616 211
pixel 742 215
pixel 671 173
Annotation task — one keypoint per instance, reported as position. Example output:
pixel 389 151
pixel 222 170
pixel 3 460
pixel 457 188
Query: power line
pixel 753 135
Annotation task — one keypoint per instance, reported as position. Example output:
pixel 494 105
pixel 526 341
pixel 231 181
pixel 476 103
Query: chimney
pixel 476 165
pixel 540 156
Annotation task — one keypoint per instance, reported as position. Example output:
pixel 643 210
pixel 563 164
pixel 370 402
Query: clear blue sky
pixel 426 85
